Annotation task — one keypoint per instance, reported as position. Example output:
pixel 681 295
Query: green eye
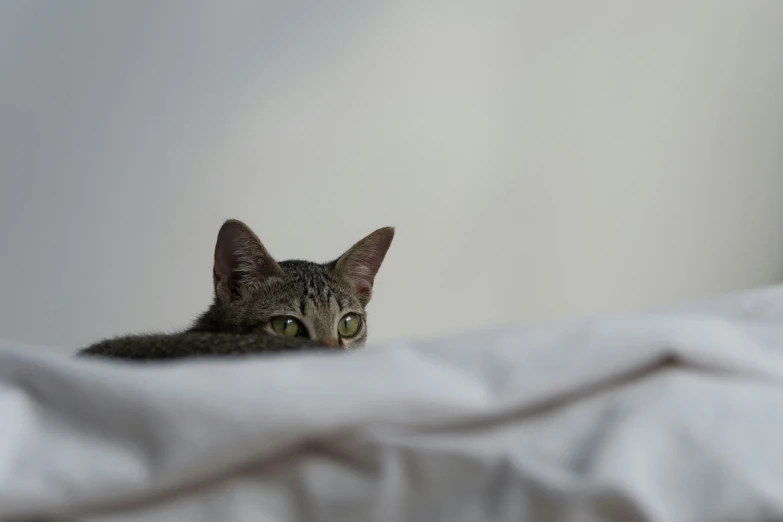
pixel 349 325
pixel 287 326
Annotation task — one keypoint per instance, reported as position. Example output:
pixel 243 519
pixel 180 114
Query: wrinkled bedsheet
pixel 669 415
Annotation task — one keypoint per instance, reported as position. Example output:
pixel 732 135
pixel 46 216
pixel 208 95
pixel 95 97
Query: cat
pixel 264 306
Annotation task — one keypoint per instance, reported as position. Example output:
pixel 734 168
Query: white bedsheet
pixel 672 416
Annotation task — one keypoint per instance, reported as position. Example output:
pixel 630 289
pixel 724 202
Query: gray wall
pixel 539 158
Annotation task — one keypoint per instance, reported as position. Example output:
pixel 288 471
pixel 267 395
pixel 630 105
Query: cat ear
pixel 361 262
pixel 240 261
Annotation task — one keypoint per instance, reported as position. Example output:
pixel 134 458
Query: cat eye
pixel 349 325
pixel 288 326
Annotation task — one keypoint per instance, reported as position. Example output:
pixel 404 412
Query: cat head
pixel 324 302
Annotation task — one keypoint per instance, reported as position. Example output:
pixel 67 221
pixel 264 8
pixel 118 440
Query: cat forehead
pixel 308 274
pixel 313 281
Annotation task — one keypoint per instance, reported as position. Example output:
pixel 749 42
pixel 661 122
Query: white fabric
pixel 656 417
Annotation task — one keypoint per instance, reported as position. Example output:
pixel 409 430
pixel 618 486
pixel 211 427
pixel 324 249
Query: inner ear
pixel 240 260
pixel 360 264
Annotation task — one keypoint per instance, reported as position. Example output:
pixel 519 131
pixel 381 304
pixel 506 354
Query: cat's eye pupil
pixel 287 326
pixel 349 325
pixel 290 327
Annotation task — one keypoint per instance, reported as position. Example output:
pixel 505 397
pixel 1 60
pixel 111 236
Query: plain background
pixel 540 159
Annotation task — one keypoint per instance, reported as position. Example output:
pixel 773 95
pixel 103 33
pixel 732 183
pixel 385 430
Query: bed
pixel 668 415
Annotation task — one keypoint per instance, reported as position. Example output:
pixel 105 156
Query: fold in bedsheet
pixel 652 417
